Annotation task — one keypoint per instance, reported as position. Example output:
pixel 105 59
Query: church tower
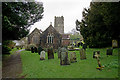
pixel 59 24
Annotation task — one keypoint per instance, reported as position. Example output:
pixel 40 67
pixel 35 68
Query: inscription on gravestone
pixel 64 57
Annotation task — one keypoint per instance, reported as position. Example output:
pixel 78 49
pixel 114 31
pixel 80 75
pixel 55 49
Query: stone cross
pixel 96 53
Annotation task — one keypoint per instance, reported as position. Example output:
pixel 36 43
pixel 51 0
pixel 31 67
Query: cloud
pixel 70 9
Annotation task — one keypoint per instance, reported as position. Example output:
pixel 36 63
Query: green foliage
pixel 100 24
pixel 5 48
pixel 33 67
pixel 17 17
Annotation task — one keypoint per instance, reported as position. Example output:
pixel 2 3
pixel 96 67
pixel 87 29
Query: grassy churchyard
pixel 33 67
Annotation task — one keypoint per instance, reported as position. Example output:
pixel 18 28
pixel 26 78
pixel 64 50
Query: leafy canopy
pixel 100 24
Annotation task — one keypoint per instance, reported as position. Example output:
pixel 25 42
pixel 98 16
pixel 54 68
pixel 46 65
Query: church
pixel 51 37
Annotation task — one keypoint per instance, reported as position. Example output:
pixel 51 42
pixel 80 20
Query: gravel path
pixel 12 67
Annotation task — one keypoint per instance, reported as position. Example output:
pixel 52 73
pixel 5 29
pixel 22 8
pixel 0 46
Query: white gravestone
pixel 42 55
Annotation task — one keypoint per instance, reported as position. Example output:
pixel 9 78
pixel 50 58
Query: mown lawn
pixel 34 68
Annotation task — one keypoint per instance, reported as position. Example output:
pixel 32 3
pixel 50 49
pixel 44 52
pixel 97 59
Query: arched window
pixel 50 38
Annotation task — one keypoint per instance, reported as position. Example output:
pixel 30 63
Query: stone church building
pixel 34 37
pixel 51 37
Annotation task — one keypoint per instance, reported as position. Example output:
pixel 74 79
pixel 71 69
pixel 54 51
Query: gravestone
pixel 59 52
pixel 32 49
pixel 96 53
pixel 109 51
pixel 35 49
pixel 114 44
pixel 82 54
pixel 42 55
pixel 78 44
pixel 50 53
pixel 72 57
pixel 64 57
pixel 39 49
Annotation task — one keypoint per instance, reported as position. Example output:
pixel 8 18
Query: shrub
pixel 5 49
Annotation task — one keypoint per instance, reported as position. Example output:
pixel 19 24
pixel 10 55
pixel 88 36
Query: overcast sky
pixel 69 9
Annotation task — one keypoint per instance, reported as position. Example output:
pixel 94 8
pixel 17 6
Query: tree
pixel 100 24
pixel 17 18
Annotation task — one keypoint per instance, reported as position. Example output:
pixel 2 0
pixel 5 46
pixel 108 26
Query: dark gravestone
pixel 55 51
pixel 84 46
pixel 50 53
pixel 59 52
pixel 109 51
pixel 78 44
pixel 82 54
pixel 39 49
pixel 32 49
pixel 35 49
pixel 72 57
pixel 64 57
pixel 81 43
pixel 42 55
pixel 96 53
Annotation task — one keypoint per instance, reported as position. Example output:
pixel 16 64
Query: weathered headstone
pixel 109 51
pixel 59 52
pixel 35 49
pixel 82 54
pixel 96 53
pixel 39 49
pixel 50 53
pixel 42 55
pixel 32 49
pixel 64 57
pixel 72 57
pixel 114 44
